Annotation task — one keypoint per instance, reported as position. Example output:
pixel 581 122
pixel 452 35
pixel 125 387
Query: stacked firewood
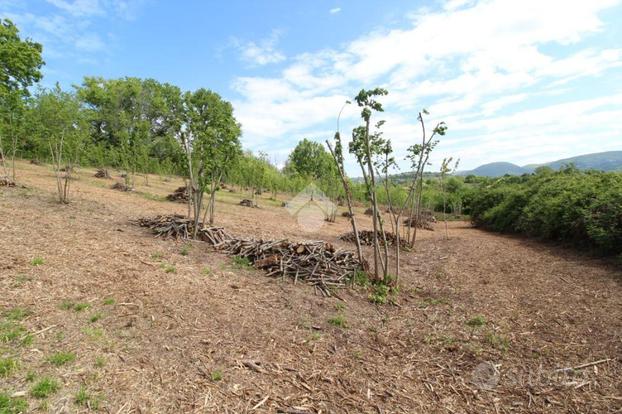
pixel 121 187
pixel 366 237
pixel 248 203
pixel 102 173
pixel 315 262
pixel 180 195
pixel 425 222
pixel 6 182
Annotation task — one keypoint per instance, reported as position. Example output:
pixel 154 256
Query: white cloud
pixel 466 62
pixel 262 52
pixel 79 7
pixel 335 10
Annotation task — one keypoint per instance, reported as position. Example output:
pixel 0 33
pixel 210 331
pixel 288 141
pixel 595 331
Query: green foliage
pixel 95 317
pixel 109 301
pixel 240 262
pixel 17 314
pixel 338 321
pixel 583 208
pixel 20 60
pixel 61 358
pixel 476 321
pixel 216 375
pixel 100 362
pixel 10 405
pixel 37 261
pixel 11 331
pixel 7 366
pixel 85 399
pixel 44 388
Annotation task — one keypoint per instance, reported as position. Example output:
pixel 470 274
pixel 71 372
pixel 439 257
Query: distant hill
pixel 604 161
pixel 496 169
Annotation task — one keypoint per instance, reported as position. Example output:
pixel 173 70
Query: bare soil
pixel 190 330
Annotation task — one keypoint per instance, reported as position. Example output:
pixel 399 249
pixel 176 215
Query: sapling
pixel 446 169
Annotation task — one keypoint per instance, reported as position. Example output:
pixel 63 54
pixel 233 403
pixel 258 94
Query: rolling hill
pixel 604 161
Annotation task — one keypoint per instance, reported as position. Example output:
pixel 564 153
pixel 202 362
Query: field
pixel 121 322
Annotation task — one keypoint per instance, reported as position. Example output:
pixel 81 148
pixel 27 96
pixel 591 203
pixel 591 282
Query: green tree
pixel 211 143
pixel 20 67
pixel 61 125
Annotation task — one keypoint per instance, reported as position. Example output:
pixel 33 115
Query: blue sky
pixel 522 81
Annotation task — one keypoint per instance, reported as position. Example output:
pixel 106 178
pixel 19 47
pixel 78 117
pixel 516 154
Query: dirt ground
pixel 483 323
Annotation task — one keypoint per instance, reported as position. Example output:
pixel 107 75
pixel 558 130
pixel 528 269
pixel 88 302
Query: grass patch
pixel 85 399
pixel 37 261
pixel 498 341
pixel 93 333
pixel 476 321
pixel 61 358
pixel 66 305
pixel 207 271
pixel 240 262
pixel 20 279
pixel 432 302
pixel 338 321
pixel 95 317
pixel 100 362
pixel 109 301
pixel 11 331
pixel 169 268
pixel 7 366
pixel 185 249
pixel 30 376
pixel 17 314
pixel 216 375
pixel 340 306
pixel 44 388
pixel 79 307
pixel 156 256
pixel 361 278
pixel 10 405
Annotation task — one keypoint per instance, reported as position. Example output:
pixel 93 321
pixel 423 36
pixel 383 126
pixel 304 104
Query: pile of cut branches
pixel 248 203
pixel 6 182
pixel 180 195
pixel 315 262
pixel 121 187
pixel 102 173
pixel 366 237
pixel 425 222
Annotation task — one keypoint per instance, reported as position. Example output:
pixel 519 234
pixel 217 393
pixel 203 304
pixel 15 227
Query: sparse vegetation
pixel 85 399
pixel 241 262
pixel 216 375
pixel 37 261
pixel 44 388
pixel 7 366
pixel 10 405
pixel 61 358
pixel 338 321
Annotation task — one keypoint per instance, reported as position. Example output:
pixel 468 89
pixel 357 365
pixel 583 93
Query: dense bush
pixel 583 208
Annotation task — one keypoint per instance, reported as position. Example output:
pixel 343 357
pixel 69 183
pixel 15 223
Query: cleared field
pixel 125 323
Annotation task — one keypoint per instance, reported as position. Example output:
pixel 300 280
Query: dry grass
pixel 215 337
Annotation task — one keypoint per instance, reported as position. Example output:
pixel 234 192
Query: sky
pixel 524 81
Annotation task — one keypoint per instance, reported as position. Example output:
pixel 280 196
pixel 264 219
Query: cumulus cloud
pixel 469 62
pixel 261 52
pixel 335 10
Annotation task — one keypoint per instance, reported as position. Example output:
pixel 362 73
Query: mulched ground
pixel 192 331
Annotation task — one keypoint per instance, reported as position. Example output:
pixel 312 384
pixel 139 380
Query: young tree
pixel 366 146
pixel 20 67
pixel 419 155
pixel 446 169
pixel 211 142
pixel 61 124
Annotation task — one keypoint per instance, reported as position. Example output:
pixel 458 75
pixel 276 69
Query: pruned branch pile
pixel 102 173
pixel 180 195
pixel 315 262
pixel 366 237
